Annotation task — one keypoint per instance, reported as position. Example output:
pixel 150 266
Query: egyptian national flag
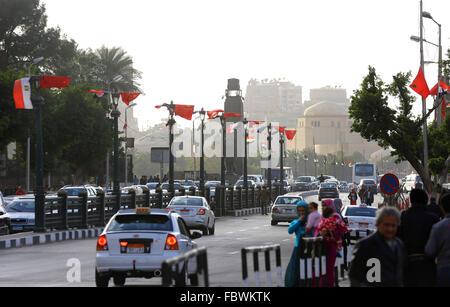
pixel 128 97
pixel 184 111
pixel 290 134
pixel 441 90
pixel 420 85
pixel 98 94
pixel 22 94
pixel 54 82
pixel 213 114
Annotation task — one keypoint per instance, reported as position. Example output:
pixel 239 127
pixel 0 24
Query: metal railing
pixel 169 274
pixel 255 251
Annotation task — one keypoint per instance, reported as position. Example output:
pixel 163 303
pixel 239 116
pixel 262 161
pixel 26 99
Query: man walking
pixel 378 259
pixel 438 245
pixel 415 228
pixel 434 208
pixel 368 197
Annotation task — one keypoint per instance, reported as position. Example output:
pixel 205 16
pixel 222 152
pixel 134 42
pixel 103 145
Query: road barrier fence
pixel 255 251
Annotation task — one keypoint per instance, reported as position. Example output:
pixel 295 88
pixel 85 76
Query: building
pixel 274 101
pixel 325 126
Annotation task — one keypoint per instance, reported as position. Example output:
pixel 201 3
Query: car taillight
pixel 102 243
pixel 123 244
pixel 320 190
pixel 275 210
pixel 201 212
pixel 171 243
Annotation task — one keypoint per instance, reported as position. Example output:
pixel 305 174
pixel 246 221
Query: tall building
pixel 274 100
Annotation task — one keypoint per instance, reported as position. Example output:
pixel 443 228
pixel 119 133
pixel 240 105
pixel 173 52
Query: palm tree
pixel 115 61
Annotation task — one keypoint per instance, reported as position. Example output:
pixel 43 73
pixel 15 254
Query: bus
pixel 364 170
pixel 275 174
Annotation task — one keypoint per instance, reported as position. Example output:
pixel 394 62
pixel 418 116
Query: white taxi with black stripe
pixel 135 243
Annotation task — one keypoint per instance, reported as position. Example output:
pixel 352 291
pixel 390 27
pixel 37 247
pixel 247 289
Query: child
pixel 314 218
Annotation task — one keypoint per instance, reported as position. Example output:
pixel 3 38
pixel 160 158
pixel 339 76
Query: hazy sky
pixel 187 49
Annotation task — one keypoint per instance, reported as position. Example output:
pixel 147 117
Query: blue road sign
pixel 389 184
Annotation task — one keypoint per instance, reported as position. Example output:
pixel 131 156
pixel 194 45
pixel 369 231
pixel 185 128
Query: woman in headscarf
pixel 332 228
pixel 298 226
pixel 353 197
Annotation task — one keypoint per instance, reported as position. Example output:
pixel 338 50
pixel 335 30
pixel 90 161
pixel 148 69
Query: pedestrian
pixel 265 199
pixel 141 181
pixel 438 245
pixel 415 228
pixel 361 193
pixel 434 208
pixel 378 259
pixel 150 179
pixel 136 180
pixel 331 228
pixel 368 197
pixel 292 276
pixel 353 197
pixel 314 219
pixel 19 190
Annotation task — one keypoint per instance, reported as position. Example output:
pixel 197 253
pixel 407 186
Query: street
pixel 46 265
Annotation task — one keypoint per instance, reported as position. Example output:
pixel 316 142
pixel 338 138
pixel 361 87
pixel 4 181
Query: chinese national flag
pixel 280 129
pixel 420 85
pixel 184 111
pixel 54 82
pixel 129 97
pixel 290 134
pixel 434 90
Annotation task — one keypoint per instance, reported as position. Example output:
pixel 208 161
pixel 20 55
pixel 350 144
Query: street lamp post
pixel 39 191
pixel 245 122
pixel 171 123
pixel 116 114
pixel 269 170
pixel 281 161
pixel 202 154
pixel 33 62
pixel 126 142
pixel 305 158
pixel 315 166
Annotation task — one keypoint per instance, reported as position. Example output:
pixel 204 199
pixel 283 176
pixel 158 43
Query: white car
pixel 195 212
pixel 136 242
pixel 258 179
pixel 360 217
pixel 240 183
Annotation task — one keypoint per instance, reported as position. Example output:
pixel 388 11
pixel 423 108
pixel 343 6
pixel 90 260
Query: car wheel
pixel 101 281
pixel 119 281
pixel 212 229
pixel 273 223
pixel 205 230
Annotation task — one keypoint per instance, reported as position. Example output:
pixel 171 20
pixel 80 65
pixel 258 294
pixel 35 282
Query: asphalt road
pixel 47 265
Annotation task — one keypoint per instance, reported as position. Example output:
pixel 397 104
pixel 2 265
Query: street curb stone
pixel 59 236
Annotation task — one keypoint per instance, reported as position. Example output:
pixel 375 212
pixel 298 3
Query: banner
pixel 22 94
pixel 54 82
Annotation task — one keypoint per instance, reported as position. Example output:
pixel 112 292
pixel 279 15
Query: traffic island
pixel 30 239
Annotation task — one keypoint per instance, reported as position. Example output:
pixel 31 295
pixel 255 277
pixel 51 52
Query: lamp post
pixel 305 158
pixel 245 122
pixel 269 170
pixel 39 191
pixel 281 158
pixel 315 166
pixel 114 100
pixel 202 154
pixel 126 142
pixel 33 62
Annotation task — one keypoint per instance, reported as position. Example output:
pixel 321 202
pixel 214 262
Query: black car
pixel 5 219
pixel 328 190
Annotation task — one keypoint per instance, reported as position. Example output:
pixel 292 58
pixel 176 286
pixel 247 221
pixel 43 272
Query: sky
pixel 187 49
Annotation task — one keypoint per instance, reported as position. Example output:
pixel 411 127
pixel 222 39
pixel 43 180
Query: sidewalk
pixel 30 238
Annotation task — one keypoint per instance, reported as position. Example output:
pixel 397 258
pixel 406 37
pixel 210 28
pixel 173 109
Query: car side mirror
pixel 196 235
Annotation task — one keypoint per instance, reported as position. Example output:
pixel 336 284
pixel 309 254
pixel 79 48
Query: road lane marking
pixel 233 253
pixel 243 230
pixel 229 233
pixel 286 240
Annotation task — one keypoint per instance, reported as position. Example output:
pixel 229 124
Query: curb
pixel 246 212
pixel 45 238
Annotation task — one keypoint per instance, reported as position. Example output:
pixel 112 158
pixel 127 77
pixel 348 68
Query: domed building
pixel 325 126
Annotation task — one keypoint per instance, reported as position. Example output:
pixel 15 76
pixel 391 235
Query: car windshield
pixel 304 179
pixel 165 186
pixel 140 223
pixel 368 212
pixel 73 192
pixel 152 185
pixel 240 182
pixel 186 201
pixel 20 206
pixel 328 185
pixel 288 200
pixel 368 182
pixel 212 184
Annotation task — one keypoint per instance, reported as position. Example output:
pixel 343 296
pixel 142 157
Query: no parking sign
pixel 389 184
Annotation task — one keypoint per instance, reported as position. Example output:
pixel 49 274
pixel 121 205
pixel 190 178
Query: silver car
pixel 284 209
pixel 195 211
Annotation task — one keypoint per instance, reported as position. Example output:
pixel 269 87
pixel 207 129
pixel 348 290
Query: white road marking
pixel 243 230
pixel 230 232
pixel 286 240
pixel 233 253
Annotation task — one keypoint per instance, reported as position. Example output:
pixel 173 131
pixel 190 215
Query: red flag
pixel 256 122
pixel 22 94
pixel 158 107
pixel 280 129
pixel 213 114
pixel 444 106
pixel 184 111
pixel 350 163
pixel 434 90
pixel 226 115
pixel 97 93
pixel 420 85
pixel 125 125
pixel 54 82
pixel 129 97
pixel 290 134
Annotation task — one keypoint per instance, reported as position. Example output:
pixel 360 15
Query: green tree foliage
pixel 374 120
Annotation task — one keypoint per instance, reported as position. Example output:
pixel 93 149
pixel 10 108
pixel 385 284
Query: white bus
pixel 275 174
pixel 364 170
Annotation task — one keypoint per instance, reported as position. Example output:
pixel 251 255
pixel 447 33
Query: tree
pixel 399 129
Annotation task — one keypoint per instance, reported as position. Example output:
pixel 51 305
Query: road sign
pixel 389 184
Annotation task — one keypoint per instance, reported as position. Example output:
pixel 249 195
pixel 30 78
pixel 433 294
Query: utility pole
pixel 424 104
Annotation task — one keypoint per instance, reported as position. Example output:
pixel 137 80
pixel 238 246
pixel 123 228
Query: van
pixel 412 181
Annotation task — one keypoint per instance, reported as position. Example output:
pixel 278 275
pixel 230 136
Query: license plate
pixel 185 211
pixel 288 210
pixel 17 227
pixel 136 250
pixel 364 225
